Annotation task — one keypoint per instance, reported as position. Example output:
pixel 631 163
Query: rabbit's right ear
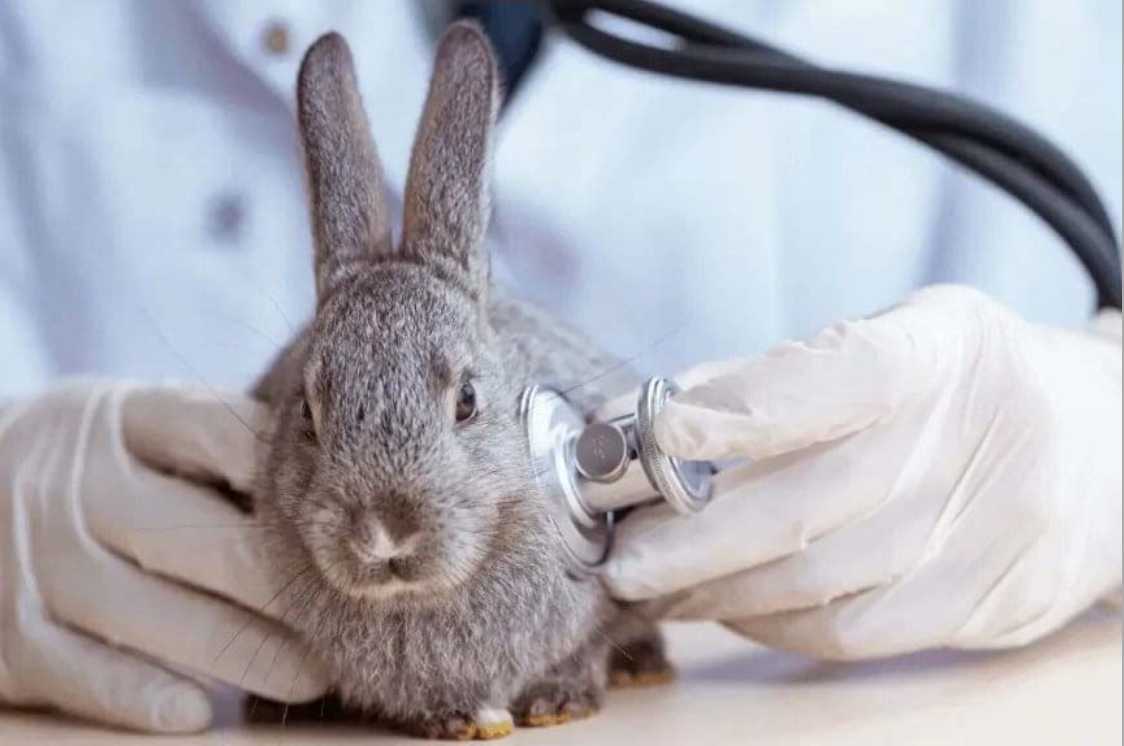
pixel 350 218
pixel 446 206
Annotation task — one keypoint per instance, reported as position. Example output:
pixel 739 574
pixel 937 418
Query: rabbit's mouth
pixel 415 573
pixel 378 580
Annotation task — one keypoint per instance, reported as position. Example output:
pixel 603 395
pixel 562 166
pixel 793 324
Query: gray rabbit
pixel 406 525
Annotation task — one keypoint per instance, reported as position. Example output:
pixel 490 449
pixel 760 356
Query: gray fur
pixel 489 610
pixel 446 208
pixel 350 218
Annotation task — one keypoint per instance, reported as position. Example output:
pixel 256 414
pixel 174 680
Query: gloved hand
pixel 117 559
pixel 943 474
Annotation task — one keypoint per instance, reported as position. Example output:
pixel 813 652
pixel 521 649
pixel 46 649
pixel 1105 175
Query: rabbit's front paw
pixel 486 723
pixel 641 662
pixel 557 699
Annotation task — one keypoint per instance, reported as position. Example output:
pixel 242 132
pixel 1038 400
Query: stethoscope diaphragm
pixel 588 472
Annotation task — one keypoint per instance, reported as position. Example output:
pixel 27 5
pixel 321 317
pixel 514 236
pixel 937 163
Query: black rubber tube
pixel 1000 149
pixel 929 108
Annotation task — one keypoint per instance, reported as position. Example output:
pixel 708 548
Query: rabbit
pixel 405 525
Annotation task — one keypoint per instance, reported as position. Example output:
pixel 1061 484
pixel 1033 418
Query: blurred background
pixel 153 220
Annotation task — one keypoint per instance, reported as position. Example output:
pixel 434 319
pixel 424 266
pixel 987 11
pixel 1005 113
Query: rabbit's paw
pixel 486 723
pixel 556 701
pixel 640 663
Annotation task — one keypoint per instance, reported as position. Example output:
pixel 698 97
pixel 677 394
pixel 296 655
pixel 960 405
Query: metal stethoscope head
pixel 591 470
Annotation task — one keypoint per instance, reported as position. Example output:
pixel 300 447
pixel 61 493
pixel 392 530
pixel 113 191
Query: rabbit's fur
pixel 477 613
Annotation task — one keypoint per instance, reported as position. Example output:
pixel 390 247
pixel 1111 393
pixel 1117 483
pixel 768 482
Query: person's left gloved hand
pixel 125 577
pixel 943 474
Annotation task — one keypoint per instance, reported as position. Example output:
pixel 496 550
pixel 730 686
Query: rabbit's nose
pixel 376 539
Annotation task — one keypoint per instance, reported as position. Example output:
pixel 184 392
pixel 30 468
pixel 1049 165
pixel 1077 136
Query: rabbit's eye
pixel 309 425
pixel 466 402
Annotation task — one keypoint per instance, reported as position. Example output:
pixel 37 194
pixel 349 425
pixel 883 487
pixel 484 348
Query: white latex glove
pixel 944 474
pixel 113 572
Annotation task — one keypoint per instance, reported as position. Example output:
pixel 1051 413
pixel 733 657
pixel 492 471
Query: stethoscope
pixel 590 472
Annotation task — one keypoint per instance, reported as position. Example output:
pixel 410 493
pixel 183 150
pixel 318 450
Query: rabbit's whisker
pixel 646 349
pixel 251 616
pixel 203 381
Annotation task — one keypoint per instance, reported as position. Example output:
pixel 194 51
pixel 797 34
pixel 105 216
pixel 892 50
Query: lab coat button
pixel 276 38
pixel 226 218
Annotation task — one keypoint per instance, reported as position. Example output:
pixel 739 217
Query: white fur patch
pixel 491 716
pixel 383 590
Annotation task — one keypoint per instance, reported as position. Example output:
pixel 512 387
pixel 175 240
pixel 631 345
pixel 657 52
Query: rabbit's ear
pixel 446 206
pixel 350 219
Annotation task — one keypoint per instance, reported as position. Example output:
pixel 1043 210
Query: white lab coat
pixel 152 218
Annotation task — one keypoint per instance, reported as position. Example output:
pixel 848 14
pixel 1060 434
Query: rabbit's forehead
pixel 400 310
pixel 394 329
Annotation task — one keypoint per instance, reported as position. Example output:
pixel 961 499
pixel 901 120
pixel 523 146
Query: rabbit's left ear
pixel 446 205
pixel 350 219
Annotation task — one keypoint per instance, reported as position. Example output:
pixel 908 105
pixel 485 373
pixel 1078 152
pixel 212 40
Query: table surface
pixel 1065 689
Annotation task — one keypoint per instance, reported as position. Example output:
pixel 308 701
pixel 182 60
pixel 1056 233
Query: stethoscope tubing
pixel 990 143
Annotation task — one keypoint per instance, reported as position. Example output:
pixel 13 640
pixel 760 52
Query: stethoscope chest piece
pixel 552 426
pixel 589 471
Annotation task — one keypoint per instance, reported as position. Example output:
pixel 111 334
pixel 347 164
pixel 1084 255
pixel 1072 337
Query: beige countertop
pixel 1066 689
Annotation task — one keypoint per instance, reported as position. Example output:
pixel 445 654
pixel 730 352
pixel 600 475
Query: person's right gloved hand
pixel 124 578
pixel 944 474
